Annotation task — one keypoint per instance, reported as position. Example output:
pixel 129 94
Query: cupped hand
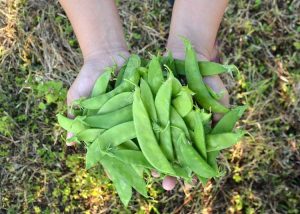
pixel 93 67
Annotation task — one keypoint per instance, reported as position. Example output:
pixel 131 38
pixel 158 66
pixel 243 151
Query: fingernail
pixel 155 174
pixel 169 183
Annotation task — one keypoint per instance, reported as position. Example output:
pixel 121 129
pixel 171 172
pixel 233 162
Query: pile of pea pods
pixel 154 115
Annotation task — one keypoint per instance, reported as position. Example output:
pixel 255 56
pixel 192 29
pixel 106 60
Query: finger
pixel 218 86
pixel 169 183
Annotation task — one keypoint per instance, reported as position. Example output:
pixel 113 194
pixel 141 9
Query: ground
pixel 39 59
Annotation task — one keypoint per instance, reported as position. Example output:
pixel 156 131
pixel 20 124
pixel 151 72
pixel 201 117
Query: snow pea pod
pixel 207 68
pixel 117 102
pixel 194 161
pixel 196 84
pixel 101 84
pixel 216 142
pixel 89 135
pixel 182 172
pixel 132 157
pixel 199 136
pixel 183 103
pixel 108 120
pixel 148 100
pixel 120 75
pixel 146 137
pixel 178 122
pixel 176 87
pixel 162 104
pixel 133 63
pixel 225 124
pixel 110 138
pixel 125 172
pixel 71 125
pixel 98 101
pixel 129 144
pixel 116 135
pixel 155 75
pixel 124 190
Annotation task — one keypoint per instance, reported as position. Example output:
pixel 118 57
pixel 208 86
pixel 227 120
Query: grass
pixel 40 57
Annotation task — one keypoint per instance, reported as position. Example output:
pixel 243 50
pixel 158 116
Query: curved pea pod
pixel 196 84
pixel 98 101
pixel 133 63
pixel 89 135
pixel 121 171
pixel 124 190
pixel 117 102
pixel 148 100
pixel 101 84
pixel 146 137
pixel 207 68
pixel 216 142
pixel 132 157
pixel 205 118
pixel 162 105
pixel 176 87
pixel 228 121
pixel 108 120
pixel 182 172
pixel 225 124
pixel 215 95
pixel 143 72
pixel 110 138
pixel 129 144
pixel 194 161
pixel 183 103
pixel 71 125
pixel 155 75
pixel 176 136
pixel 117 135
pixel 120 75
pixel 199 138
pixel 178 122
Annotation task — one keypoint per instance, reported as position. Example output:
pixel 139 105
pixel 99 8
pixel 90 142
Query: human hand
pixel 93 67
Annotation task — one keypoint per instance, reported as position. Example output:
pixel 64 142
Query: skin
pixel 99 31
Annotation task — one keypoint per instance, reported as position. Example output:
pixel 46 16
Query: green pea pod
pixel 207 68
pixel 216 142
pixel 110 138
pixel 117 102
pixel 170 62
pixel 120 75
pixel 194 161
pixel 228 121
pixel 215 95
pixel 143 72
pixel 71 125
pixel 125 172
pixel 178 122
pixel 196 84
pixel 101 84
pixel 199 139
pixel 146 137
pixel 182 172
pixel 225 124
pixel 108 120
pixel 183 103
pixel 176 136
pixel 132 157
pixel 133 63
pixel 117 135
pixel 203 180
pixel 98 101
pixel 176 87
pixel 155 75
pixel 162 104
pixel 124 190
pixel 129 144
pixel 89 135
pixel 148 100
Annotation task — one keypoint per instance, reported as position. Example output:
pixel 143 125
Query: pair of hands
pixel 94 66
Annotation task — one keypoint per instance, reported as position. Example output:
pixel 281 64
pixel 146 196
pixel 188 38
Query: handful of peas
pixel 154 115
